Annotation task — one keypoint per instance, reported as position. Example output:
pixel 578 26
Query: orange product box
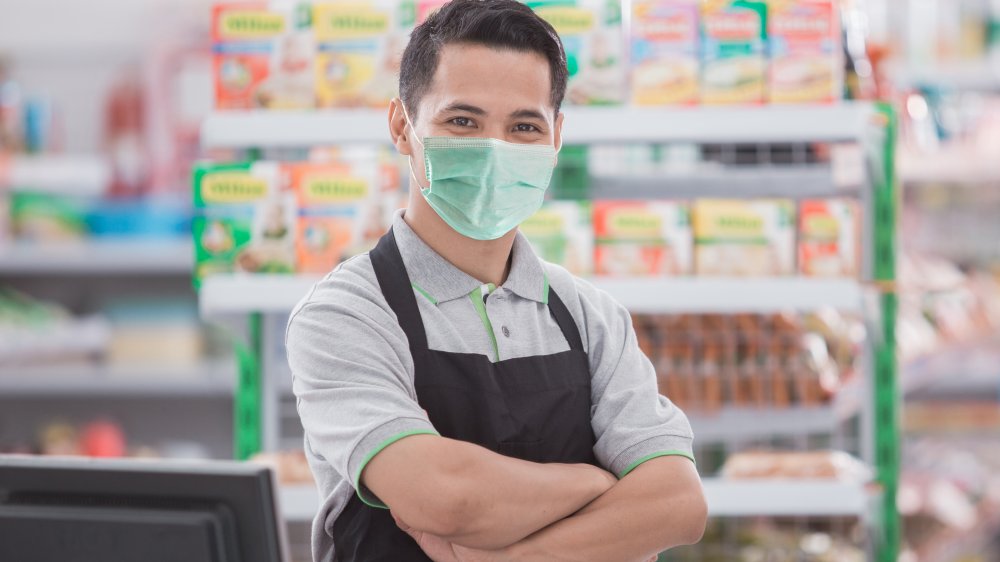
pixel 642 238
pixel 664 45
pixel 262 56
pixel 807 59
pixel 829 238
pixel 341 212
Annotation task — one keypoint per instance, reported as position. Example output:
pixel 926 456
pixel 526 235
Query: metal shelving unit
pixel 209 379
pixel 99 257
pixel 871 125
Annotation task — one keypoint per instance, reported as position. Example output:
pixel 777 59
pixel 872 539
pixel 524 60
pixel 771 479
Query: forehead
pixel 491 78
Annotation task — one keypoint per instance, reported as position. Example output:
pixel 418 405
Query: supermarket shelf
pixel 735 181
pixel 209 379
pixel 726 498
pixel 955 75
pixel 792 123
pixel 135 256
pixel 277 293
pixel 731 295
pixel 739 424
pixel 82 175
pixel 951 165
pixel 785 498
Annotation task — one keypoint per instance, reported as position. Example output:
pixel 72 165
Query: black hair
pixel 503 24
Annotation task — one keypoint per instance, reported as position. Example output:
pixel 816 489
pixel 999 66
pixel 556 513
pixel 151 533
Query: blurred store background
pixel 799 200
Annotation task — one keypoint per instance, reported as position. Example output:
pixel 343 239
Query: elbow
pixel 693 529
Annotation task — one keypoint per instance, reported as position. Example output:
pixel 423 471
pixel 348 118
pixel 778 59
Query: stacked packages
pixel 296 54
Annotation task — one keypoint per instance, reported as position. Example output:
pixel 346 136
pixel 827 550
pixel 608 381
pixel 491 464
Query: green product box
pixel 244 220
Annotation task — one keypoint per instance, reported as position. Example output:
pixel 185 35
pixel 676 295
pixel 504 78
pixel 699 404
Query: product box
pixel 262 56
pixel 359 47
pixel 593 38
pixel 734 59
pixel 807 59
pixel 561 232
pixel 829 238
pixel 665 43
pixel 244 219
pixel 343 210
pixel 735 237
pixel 638 238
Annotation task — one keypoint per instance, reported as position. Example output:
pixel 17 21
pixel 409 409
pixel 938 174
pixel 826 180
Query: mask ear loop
pixel 409 158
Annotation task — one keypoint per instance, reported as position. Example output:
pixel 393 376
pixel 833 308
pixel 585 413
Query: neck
pixel 485 260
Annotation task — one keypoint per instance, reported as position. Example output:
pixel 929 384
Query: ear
pixel 398 130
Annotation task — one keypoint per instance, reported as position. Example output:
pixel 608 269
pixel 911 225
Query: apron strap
pixel 395 283
pixel 565 321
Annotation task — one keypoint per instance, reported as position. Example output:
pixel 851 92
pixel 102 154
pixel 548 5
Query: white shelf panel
pixel 235 294
pixel 280 293
pixel 731 295
pixel 959 75
pixel 776 123
pixel 726 498
pixel 737 424
pixel 134 256
pixel 211 378
pixel 785 498
pixel 86 175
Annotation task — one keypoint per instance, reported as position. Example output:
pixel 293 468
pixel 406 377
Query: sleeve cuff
pixel 659 446
pixel 375 442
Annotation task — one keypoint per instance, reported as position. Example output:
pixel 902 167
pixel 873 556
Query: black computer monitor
pixel 88 510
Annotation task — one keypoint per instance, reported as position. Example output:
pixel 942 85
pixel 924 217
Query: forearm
pixel 656 507
pixel 496 501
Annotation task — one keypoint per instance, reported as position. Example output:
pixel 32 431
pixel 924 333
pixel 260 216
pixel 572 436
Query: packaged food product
pixel 806 55
pixel 359 47
pixel 262 55
pixel 342 211
pixel 561 232
pixel 664 40
pixel 734 60
pixel 592 36
pixel 244 220
pixel 635 238
pixel 829 237
pixel 736 237
pixel 822 465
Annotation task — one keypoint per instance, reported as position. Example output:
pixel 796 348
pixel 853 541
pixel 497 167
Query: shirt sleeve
pixel 352 374
pixel 632 421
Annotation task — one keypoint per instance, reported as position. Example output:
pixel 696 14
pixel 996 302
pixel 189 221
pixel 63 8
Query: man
pixel 461 399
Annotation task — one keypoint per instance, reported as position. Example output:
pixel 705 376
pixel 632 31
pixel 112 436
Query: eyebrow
pixel 528 114
pixel 458 106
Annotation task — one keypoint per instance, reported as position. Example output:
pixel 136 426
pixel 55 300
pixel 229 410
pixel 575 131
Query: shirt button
pixel 506 332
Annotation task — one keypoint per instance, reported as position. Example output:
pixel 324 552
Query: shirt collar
pixel 441 281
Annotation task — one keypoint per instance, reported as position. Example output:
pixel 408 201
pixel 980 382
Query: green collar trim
pixel 424 293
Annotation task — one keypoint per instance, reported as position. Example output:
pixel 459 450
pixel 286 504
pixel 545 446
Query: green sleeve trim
pixel 374 502
pixel 545 288
pixel 477 301
pixel 635 465
pixel 424 293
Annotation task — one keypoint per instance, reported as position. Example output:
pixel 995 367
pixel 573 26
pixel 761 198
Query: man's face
pixel 479 91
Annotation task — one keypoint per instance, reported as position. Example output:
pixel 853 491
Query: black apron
pixel 531 408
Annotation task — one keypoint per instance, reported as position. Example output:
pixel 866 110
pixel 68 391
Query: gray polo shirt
pixel 353 373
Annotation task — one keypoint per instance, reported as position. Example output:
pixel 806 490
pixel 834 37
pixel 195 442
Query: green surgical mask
pixel 483 187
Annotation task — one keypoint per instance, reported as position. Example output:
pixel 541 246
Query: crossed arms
pixel 463 502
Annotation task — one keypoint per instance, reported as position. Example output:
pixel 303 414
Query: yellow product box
pixel 594 41
pixel 807 58
pixel 561 232
pixel 641 238
pixel 359 47
pixel 343 210
pixel 829 238
pixel 734 57
pixel 734 237
pixel 664 48
pixel 244 219
pixel 262 55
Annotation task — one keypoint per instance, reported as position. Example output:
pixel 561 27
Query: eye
pixel 526 128
pixel 461 121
